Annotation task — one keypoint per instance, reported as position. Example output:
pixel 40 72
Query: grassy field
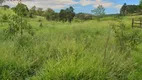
pixel 84 50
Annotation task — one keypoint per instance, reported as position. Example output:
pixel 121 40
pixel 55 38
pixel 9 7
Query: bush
pixel 5 18
pixel 16 29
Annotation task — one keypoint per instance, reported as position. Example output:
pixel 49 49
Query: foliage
pixel 33 11
pixel 6 12
pixel 5 7
pixel 64 51
pixel 140 4
pixel 129 9
pixel 99 11
pixel 5 18
pixel 51 15
pixel 62 15
pixel 21 9
pixel 126 39
pixel 18 29
pixel 39 11
pixel 84 16
pixel 123 9
pixel 67 15
pixel 70 14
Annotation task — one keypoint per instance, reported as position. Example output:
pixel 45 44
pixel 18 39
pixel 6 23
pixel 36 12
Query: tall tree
pixel 70 14
pixel 62 15
pixel 123 9
pixel 140 4
pixel 99 11
pixel 21 9
pixel 40 11
pixel 33 11
pixel 49 14
pixel 67 15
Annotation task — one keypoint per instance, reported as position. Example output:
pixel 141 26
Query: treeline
pixel 65 15
pixel 130 9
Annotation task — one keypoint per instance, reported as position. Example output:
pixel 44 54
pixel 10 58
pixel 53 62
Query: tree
pixel 21 9
pixel 67 15
pixel 123 9
pixel 18 27
pixel 33 11
pixel 99 11
pixel 40 11
pixel 140 4
pixel 6 6
pixel 70 14
pixel 50 14
pixel 62 15
pixel 129 9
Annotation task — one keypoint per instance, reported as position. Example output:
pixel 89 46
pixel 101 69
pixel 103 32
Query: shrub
pixel 5 18
pixel 18 26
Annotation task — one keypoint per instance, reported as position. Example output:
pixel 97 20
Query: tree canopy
pixel 50 14
pixel 129 9
pixel 99 11
pixel 33 11
pixel 67 15
pixel 21 9
pixel 140 4
pixel 39 11
pixel 123 9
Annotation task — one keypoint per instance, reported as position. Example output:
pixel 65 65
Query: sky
pixel 111 6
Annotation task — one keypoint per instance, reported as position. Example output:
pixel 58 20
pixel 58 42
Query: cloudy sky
pixel 111 6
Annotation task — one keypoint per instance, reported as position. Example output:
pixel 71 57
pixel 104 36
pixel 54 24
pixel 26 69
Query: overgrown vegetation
pixel 127 39
pixel 90 50
pixel 131 9
pixel 17 29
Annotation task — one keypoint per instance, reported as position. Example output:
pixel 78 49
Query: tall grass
pixel 63 51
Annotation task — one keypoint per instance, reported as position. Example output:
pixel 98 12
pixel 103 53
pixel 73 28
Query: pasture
pixel 83 50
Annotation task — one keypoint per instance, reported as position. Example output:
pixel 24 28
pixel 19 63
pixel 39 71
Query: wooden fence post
pixel 140 23
pixel 132 23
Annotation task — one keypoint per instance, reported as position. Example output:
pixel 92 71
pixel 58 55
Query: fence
pixel 137 23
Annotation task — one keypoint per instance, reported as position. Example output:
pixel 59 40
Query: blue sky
pixel 111 6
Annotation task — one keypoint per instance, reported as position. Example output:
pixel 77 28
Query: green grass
pixel 64 51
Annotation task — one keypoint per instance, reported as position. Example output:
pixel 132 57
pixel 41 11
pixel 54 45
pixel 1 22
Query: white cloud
pixel 54 4
pixel 85 2
pixel 103 3
pixel 59 4
pixel 118 6
pixel 96 3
